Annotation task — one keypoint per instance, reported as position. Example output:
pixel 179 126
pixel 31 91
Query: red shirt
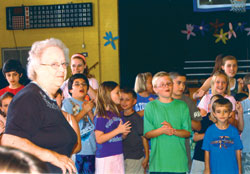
pixel 13 91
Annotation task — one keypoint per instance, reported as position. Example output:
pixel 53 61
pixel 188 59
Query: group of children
pixel 148 129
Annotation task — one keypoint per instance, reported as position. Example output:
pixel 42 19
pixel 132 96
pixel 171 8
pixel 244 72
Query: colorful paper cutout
pixel 189 31
pixel 248 31
pixel 221 37
pixel 234 28
pixel 231 32
pixel 241 26
pixel 110 39
pixel 216 25
pixel 202 28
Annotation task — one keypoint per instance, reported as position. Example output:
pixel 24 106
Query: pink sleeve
pixel 204 102
pixel 232 100
pixel 93 83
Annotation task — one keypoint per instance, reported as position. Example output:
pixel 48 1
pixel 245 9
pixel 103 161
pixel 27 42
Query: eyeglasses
pixel 80 84
pixel 163 85
pixel 56 65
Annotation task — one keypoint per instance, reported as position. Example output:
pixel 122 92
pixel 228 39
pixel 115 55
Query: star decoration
pixel 231 32
pixel 110 39
pixel 248 30
pixel 241 26
pixel 216 25
pixel 202 28
pixel 221 36
pixel 189 31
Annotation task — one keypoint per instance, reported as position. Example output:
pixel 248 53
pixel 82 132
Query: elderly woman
pixel 79 65
pixel 35 123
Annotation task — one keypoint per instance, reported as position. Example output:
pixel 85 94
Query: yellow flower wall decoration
pixel 221 37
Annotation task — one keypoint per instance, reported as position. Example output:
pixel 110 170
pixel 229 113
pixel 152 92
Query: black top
pixel 34 116
pixel 132 145
pixel 199 154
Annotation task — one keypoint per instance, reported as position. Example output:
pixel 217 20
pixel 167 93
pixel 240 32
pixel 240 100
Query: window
pixel 20 53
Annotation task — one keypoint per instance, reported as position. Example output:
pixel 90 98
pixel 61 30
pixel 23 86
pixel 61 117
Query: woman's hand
pixel 46 155
pixel 63 162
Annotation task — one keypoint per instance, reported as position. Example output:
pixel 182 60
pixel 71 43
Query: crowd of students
pixel 150 128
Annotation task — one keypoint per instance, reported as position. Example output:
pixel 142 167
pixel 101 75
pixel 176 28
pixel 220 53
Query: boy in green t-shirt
pixel 167 123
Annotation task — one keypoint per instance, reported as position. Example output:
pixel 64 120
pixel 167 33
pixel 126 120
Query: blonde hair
pixel 104 99
pixel 141 82
pixel 37 50
pixel 159 75
pixel 216 74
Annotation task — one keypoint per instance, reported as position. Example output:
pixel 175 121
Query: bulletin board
pixel 49 16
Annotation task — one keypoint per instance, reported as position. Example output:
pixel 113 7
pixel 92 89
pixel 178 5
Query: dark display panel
pixel 49 16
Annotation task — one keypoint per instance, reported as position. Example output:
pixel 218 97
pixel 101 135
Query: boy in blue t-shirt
pixel 222 142
pixel 82 110
pixel 198 163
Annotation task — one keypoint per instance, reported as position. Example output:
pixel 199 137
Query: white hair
pixel 36 52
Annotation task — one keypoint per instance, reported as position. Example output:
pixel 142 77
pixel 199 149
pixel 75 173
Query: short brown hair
pixel 222 102
pixel 228 57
